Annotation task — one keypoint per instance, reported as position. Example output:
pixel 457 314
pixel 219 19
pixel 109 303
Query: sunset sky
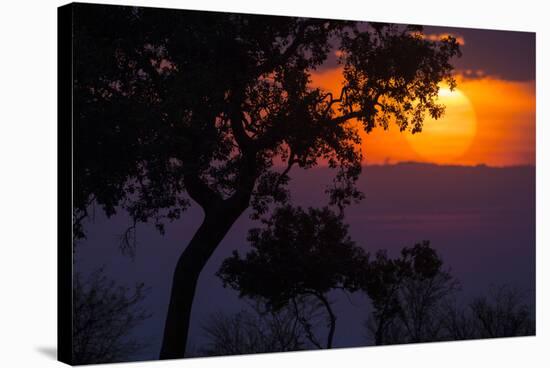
pixel 490 117
pixel 466 183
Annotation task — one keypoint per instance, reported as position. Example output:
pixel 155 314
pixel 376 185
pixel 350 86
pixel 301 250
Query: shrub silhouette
pixel 105 315
pixel 255 331
pixel 503 312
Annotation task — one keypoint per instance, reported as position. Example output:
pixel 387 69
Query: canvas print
pixel 244 183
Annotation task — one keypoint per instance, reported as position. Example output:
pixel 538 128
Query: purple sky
pixel 480 219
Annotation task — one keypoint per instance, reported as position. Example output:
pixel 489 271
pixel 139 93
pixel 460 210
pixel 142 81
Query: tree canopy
pixel 406 294
pixel 172 106
pixel 298 254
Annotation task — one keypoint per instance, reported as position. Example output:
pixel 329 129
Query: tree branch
pixel 306 325
pixel 291 162
pixel 243 140
pixel 332 318
pixel 335 100
pixel 343 118
pixel 291 49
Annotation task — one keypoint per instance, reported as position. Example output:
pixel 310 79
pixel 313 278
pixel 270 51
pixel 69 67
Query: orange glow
pixel 506 116
pixel 491 121
pixel 449 137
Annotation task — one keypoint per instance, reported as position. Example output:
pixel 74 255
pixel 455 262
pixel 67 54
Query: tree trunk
pixel 216 224
pixel 331 318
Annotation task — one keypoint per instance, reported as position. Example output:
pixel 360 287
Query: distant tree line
pixel 299 256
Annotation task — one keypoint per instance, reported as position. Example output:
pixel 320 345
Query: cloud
pixel 441 36
pixel 472 73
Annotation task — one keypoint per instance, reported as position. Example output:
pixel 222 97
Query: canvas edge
pixel 64 187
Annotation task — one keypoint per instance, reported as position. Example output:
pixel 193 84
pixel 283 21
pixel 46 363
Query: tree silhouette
pixel 178 106
pixel 456 321
pixel 104 317
pixel 256 331
pixel 414 300
pixel 298 254
pixel 500 313
pixel 407 294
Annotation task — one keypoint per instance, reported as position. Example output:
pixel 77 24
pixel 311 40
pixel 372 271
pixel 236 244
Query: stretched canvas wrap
pixel 238 183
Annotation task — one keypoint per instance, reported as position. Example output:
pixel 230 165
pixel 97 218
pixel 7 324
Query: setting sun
pixel 448 137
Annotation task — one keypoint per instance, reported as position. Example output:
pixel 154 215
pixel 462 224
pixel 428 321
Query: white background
pixel 28 184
